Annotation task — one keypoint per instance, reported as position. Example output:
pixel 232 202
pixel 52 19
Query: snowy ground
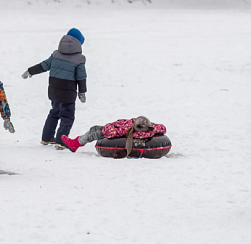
pixel 188 69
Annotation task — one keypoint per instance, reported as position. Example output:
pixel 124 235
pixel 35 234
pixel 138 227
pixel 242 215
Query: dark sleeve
pixel 36 69
pixel 82 86
pixel 42 67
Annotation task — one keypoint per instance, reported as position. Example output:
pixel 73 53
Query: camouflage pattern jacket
pixel 4 106
pixel 120 127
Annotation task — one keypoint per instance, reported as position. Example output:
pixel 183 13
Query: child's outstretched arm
pixel 38 68
pixel 5 110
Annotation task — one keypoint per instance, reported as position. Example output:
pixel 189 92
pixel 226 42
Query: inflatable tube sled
pixel 156 147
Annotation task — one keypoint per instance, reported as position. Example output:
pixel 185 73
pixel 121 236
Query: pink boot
pixel 72 144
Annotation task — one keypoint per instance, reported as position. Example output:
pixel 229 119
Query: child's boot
pixel 60 146
pixel 72 144
pixel 52 141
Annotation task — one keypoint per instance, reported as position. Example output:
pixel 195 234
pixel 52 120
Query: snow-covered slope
pixel 187 69
pixel 192 4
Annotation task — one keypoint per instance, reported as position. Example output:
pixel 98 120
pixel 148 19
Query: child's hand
pixel 26 74
pixel 82 97
pixel 8 125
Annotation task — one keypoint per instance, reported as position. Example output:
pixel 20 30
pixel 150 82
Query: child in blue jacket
pixel 67 75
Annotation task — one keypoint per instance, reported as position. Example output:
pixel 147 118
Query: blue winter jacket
pixel 67 71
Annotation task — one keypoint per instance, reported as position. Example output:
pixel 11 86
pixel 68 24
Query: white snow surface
pixel 188 69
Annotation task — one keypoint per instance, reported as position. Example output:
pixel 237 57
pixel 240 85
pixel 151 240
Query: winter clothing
pixel 59 111
pixel 67 75
pixel 72 144
pixel 95 133
pixel 5 110
pixel 60 146
pixel 82 97
pixel 67 71
pixel 26 74
pixel 77 34
pixel 4 106
pixel 120 127
pixel 8 125
pixel 140 128
pixel 52 141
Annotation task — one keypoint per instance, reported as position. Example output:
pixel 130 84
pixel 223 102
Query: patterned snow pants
pixel 95 133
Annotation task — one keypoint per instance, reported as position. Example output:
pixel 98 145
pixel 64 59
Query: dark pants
pixel 60 111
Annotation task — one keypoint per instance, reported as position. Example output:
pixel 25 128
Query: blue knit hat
pixel 77 34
